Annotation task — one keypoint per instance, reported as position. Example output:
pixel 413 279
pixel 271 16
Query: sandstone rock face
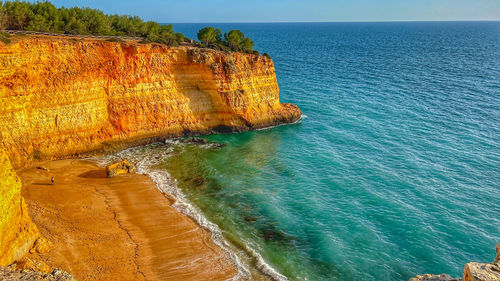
pixel 17 232
pixel 123 167
pixel 475 271
pixel 59 97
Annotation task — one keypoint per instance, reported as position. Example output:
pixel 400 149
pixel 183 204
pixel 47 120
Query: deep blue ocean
pixel 393 172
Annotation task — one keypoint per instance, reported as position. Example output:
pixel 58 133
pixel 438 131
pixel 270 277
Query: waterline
pixel 147 160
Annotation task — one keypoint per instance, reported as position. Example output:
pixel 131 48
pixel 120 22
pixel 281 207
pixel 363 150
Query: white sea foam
pixel 263 266
pixel 302 117
pixel 147 160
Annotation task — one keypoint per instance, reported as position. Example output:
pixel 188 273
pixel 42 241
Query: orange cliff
pixel 61 97
pixel 17 232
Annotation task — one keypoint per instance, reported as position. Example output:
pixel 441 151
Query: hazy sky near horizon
pixel 176 11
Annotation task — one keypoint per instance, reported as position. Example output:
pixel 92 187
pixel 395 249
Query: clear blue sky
pixel 168 11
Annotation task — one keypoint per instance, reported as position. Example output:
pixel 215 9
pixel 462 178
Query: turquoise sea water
pixel 394 172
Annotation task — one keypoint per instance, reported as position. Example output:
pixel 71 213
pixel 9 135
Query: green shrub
pixel 208 35
pixel 180 37
pixel 45 17
pixel 234 40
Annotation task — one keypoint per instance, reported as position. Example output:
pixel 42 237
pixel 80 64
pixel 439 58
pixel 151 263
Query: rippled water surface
pixel 394 172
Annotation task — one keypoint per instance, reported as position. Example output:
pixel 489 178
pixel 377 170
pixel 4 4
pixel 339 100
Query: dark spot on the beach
pixel 37 154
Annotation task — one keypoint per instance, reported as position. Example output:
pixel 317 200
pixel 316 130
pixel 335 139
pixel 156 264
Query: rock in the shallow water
pixel 475 271
pixel 123 167
pixel 432 277
pixel 196 140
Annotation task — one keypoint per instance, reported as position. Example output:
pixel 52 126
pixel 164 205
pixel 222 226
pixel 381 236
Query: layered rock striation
pixel 17 232
pixel 61 97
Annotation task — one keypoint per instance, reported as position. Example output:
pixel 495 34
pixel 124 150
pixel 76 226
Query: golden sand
pixel 120 228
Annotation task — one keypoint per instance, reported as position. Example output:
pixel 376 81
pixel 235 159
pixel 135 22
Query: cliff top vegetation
pixel 45 17
pixel 234 40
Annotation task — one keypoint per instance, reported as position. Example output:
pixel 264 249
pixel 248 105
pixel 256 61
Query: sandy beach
pixel 120 228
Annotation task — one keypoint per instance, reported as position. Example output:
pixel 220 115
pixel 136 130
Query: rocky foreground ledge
pixel 473 271
pixel 11 274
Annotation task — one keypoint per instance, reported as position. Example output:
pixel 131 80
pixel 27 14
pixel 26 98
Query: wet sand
pixel 121 228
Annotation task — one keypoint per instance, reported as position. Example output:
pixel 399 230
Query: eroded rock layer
pixel 17 232
pixel 61 97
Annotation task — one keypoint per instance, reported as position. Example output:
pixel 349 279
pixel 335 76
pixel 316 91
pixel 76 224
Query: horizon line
pixel 360 21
